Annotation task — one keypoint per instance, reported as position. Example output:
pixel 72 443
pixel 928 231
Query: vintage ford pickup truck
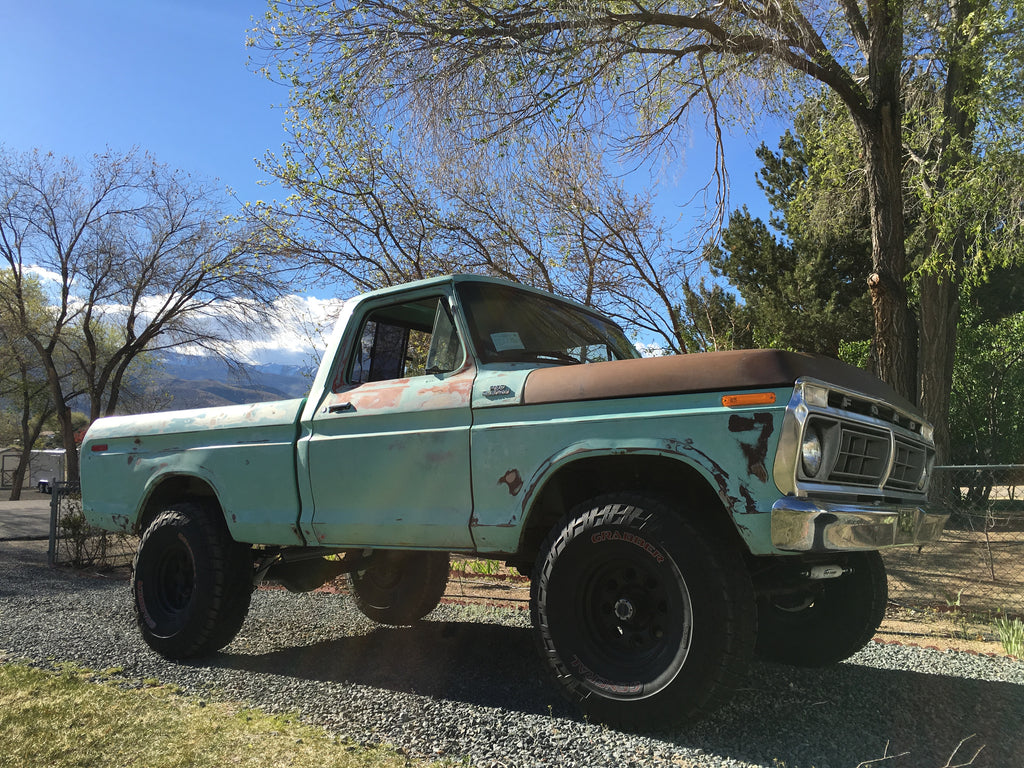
pixel 676 514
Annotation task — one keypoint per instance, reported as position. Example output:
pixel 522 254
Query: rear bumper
pixel 803 525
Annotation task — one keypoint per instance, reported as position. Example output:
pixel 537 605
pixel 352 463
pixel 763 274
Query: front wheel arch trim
pixel 536 517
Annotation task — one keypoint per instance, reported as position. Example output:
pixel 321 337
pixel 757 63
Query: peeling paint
pixel 755 453
pixel 751 502
pixel 513 480
pixel 716 470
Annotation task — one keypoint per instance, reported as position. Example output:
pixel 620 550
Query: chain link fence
pixel 76 543
pixel 978 564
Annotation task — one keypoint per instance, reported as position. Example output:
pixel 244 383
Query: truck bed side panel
pixel 246 454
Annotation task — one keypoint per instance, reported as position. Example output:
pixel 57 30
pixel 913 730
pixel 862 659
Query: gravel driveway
pixel 468 682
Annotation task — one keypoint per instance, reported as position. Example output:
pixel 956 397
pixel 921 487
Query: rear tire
pixel 827 625
pixel 192 583
pixel 400 587
pixel 644 620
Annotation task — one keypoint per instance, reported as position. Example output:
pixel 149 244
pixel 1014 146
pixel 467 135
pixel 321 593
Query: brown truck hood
pixel 705 372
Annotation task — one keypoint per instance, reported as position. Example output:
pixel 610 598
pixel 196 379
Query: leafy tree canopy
pixel 135 255
pixel 932 93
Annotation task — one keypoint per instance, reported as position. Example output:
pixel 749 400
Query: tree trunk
pixel 895 336
pixel 63 413
pixel 880 125
pixel 940 315
pixel 940 288
pixel 70 446
pixel 18 478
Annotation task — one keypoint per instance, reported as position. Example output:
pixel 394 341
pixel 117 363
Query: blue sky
pixel 170 77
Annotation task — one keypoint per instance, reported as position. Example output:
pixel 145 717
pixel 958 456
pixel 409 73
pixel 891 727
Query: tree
pixel 23 384
pixel 378 207
pixel 133 256
pixel 497 69
pixel 716 320
pixel 802 276
pixel 988 391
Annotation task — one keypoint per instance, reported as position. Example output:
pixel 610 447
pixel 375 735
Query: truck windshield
pixel 508 325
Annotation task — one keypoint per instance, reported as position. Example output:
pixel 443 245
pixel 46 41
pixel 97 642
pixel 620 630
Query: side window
pixel 413 339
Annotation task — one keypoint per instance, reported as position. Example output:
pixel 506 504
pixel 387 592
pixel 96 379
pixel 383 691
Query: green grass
pixel 1011 635
pixel 75 719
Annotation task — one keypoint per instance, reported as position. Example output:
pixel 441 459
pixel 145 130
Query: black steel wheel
pixel 400 587
pixel 828 623
pixel 192 583
pixel 644 620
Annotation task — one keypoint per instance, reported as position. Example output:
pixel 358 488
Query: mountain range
pixel 195 381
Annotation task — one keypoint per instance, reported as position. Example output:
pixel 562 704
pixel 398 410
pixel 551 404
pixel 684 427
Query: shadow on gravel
pixel 838 717
pixel 481 664
pixel 827 718
pixel 848 714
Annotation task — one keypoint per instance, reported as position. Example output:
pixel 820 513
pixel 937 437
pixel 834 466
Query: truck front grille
pixel 908 464
pixel 866 456
pixel 862 457
pixel 844 444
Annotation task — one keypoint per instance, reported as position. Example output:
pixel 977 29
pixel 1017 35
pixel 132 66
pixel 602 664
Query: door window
pixel 401 341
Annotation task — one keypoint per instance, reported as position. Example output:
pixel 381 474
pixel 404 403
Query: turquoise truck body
pixel 677 515
pixel 459 461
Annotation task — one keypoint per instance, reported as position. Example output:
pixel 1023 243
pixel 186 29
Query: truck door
pixel 388 449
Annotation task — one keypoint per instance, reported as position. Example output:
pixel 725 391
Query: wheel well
pixel 586 478
pixel 178 488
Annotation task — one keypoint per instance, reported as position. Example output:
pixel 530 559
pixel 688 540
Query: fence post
pixel 51 550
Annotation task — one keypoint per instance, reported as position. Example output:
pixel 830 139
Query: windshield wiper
pixel 531 356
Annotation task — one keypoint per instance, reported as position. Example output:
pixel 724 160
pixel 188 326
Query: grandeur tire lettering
pixel 649 548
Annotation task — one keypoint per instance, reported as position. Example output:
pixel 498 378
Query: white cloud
pixel 46 274
pixel 295 333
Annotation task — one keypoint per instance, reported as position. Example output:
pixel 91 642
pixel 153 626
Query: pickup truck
pixel 677 515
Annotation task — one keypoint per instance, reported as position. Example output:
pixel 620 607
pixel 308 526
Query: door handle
pixel 340 408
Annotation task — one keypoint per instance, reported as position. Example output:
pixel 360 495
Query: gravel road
pixel 467 682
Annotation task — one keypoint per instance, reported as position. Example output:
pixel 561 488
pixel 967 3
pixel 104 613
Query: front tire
pixel 644 620
pixel 830 623
pixel 192 583
pixel 400 587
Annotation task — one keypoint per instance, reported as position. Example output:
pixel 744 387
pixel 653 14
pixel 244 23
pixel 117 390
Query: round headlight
pixel 810 452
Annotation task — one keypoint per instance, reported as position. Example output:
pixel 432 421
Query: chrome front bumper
pixel 803 525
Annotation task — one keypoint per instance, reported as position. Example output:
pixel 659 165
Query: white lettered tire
pixel 645 620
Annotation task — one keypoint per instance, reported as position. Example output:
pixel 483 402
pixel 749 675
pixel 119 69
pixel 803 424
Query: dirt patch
pixel 940 629
pixel 981 571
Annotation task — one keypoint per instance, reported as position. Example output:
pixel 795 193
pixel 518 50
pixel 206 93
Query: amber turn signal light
pixel 754 398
